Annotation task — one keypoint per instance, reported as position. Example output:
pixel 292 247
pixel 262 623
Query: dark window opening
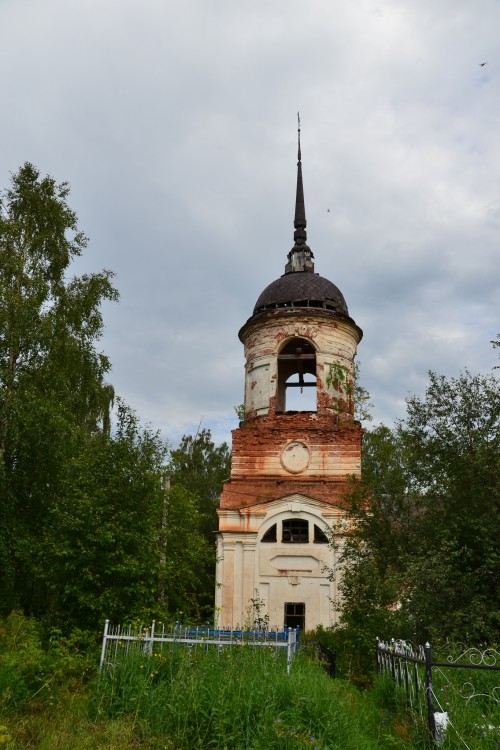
pixel 297 380
pixel 295 615
pixel 321 303
pixel 295 531
pixel 319 536
pixel 270 535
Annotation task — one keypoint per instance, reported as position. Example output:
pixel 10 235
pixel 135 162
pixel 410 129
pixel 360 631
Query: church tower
pixel 293 451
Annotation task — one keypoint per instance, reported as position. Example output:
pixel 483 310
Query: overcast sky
pixel 175 124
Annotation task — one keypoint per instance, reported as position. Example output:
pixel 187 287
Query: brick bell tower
pixel 293 451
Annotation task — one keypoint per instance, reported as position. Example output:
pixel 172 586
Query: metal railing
pixel 327 659
pixel 413 669
pixel 119 639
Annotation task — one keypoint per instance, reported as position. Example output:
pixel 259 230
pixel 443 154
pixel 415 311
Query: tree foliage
pixel 453 445
pixel 197 470
pixel 421 558
pixel 52 387
pixel 201 467
pixel 188 559
pixel 48 324
pixel 88 530
pixel 100 555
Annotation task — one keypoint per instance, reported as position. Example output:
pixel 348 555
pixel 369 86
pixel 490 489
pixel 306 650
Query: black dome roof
pixel 301 289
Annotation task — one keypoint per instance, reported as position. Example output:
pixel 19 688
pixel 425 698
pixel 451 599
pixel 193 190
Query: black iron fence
pixel 415 670
pixel 327 659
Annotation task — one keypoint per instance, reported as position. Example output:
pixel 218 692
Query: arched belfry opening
pixel 297 382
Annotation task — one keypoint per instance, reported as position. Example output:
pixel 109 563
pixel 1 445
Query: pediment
pixel 295 503
pixel 295 498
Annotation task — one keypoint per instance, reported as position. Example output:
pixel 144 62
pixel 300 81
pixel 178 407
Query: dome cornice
pixel 299 313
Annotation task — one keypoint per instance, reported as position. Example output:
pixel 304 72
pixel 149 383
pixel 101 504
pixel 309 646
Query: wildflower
pixel 4 736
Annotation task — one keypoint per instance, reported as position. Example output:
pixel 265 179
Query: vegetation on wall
pixel 351 396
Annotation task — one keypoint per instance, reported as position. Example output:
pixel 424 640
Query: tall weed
pixel 470 698
pixel 23 661
pixel 237 699
pixel 31 669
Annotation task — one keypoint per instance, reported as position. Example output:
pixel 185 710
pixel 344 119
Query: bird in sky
pixel 481 65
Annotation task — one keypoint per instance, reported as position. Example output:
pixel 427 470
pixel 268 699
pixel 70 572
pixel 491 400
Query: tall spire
pixel 300 256
pixel 300 223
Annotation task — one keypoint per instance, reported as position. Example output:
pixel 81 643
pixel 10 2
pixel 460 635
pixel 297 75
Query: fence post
pixel 428 691
pixel 393 659
pixel 407 684
pixel 153 625
pixel 104 641
pixel 291 640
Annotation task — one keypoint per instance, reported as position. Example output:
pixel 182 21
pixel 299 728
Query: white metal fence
pixel 119 639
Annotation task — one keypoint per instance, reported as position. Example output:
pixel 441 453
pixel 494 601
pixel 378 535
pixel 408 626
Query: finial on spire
pixel 298 130
pixel 300 256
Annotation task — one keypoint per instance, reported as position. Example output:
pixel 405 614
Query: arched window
pixel 270 535
pixel 295 531
pixel 297 384
pixel 319 536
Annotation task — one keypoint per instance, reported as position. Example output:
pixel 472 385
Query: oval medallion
pixel 295 457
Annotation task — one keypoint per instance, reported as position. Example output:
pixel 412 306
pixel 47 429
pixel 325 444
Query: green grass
pixel 470 697
pixel 472 700
pixel 239 699
pixel 242 698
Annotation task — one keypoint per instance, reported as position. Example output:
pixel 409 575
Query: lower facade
pixel 277 564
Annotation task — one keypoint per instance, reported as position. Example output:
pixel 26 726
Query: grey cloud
pixel 175 125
